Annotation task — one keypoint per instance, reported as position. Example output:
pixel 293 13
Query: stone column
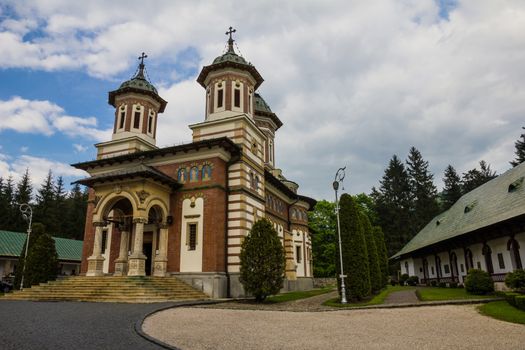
pixel 121 264
pixel 137 260
pixel 96 260
pixel 161 261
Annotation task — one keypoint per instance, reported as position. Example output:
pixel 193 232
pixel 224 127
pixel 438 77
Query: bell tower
pixel 137 106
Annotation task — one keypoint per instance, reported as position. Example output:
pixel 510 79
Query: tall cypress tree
pixel 373 258
pixel 452 189
pixel 353 245
pixel 382 254
pixel 393 205
pixel 422 189
pixel 37 230
pixel 520 150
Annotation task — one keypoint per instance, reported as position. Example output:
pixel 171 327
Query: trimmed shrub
pixel 262 261
pixel 382 254
pixel 479 282
pixel 433 283
pixel 520 302
pixel 355 255
pixel 516 280
pixel 510 297
pixel 442 285
pixel 413 281
pixel 403 279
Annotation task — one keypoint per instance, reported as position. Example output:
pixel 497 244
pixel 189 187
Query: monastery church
pixel 184 210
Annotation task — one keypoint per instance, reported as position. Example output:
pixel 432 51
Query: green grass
pixel 290 296
pixel 438 294
pixel 503 311
pixel 375 300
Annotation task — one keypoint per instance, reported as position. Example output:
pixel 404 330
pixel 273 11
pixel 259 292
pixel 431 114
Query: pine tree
pixel 422 190
pixel 7 208
pixel 322 224
pixel 373 257
pixel 22 195
pixel 353 245
pixel 520 150
pixel 262 261
pixel 44 202
pixel 76 209
pixel 382 254
pixel 393 206
pixel 58 227
pixel 452 189
pixel 475 178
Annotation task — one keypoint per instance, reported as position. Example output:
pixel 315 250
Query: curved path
pixel 73 325
pixel 435 327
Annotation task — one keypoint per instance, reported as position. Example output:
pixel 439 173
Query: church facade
pixel 184 210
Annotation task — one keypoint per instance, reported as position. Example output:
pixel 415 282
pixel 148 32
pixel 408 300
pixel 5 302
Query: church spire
pixel 230 40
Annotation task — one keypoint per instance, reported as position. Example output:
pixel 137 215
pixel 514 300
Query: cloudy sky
pixel 354 81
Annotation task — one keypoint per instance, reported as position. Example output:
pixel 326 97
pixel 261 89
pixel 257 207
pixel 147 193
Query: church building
pixel 184 211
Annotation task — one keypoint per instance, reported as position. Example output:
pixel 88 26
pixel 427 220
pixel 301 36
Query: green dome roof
pixel 230 57
pixel 139 83
pixel 261 105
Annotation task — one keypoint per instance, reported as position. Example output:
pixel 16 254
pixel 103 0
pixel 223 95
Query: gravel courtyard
pixel 428 327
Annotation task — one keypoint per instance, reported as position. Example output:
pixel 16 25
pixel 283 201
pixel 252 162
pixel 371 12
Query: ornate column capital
pixel 140 220
pixel 163 225
pixel 99 223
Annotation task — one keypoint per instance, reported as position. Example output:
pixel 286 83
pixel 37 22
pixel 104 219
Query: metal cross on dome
pixel 143 56
pixel 230 32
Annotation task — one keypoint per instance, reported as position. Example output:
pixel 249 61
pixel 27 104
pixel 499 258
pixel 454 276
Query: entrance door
pixel 147 251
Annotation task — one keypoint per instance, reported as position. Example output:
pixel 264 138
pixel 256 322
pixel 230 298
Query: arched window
pixel 453 264
pixel 122 117
pixel 194 173
pixel 182 175
pixel 469 263
pixel 438 267
pixel 294 213
pixel 206 172
pixel 514 248
pixel 406 267
pixel 487 253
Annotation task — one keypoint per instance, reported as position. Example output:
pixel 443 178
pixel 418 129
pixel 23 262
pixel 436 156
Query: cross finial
pixel 230 40
pixel 142 57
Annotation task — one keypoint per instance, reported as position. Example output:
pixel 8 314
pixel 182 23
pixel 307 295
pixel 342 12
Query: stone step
pixel 117 289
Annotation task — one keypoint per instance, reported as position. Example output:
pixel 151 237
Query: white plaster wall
pixel 520 237
pixel 191 260
pixel 445 260
pixel 298 239
pixel 477 256
pixel 499 245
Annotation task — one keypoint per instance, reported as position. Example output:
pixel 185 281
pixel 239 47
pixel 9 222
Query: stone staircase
pixel 110 289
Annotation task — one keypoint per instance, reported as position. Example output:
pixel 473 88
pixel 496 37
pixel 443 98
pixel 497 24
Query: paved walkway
pixel 402 297
pixel 436 327
pixel 72 325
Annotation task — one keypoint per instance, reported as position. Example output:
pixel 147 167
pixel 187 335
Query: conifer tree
pixel 520 150
pixel 22 195
pixel 42 260
pixel 423 192
pixel 59 227
pixel 76 209
pixel 373 257
pixel 475 178
pixel 382 254
pixel 44 202
pixel 393 205
pixel 353 245
pixel 262 261
pixel 452 189
pixel 7 211
pixel 38 230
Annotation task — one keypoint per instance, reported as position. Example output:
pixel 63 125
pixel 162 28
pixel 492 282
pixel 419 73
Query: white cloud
pixel 38 169
pixel 353 81
pixel 45 117
pixel 24 149
pixel 79 148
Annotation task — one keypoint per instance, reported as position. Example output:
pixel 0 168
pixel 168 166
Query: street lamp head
pixel 335 184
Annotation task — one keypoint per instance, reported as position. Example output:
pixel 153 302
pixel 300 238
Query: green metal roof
pixel 261 105
pixel 500 199
pixel 12 243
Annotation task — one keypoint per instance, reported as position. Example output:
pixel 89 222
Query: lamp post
pixel 339 176
pixel 27 213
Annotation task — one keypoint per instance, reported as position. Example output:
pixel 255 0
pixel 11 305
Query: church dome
pixel 139 83
pixel 261 105
pixel 230 57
